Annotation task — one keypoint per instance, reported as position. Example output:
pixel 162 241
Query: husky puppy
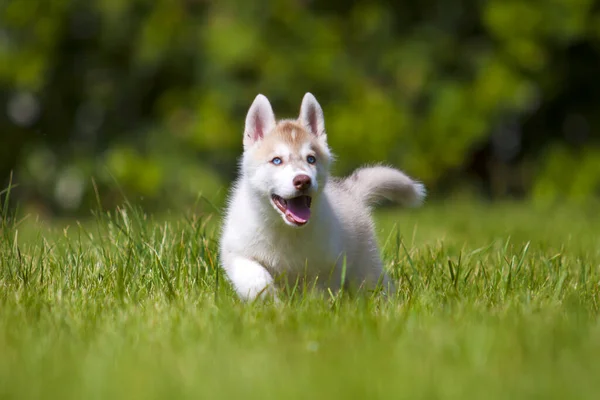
pixel 289 221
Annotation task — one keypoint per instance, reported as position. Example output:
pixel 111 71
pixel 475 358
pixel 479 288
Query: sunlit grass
pixel 493 302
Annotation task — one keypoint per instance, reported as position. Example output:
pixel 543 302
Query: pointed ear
pixel 311 115
pixel 259 121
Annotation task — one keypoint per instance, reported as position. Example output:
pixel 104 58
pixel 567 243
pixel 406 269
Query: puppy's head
pixel 286 162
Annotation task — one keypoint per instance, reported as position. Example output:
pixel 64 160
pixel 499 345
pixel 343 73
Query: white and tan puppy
pixel 288 221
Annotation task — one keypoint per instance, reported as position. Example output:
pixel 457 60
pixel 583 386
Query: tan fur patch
pixel 292 134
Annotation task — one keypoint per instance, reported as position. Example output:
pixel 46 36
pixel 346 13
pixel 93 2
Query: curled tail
pixel 373 184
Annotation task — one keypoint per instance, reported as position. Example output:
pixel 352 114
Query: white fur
pixel 260 250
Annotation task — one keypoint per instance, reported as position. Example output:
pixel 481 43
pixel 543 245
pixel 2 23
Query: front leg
pixel 249 278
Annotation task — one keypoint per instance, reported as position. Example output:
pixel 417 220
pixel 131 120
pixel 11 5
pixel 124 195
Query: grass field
pixel 493 302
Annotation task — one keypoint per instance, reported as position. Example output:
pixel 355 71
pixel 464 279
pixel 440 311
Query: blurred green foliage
pixel 147 98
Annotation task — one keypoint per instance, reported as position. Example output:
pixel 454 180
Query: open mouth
pixel 296 210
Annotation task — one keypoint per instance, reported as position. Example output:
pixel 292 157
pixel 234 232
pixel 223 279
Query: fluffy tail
pixel 373 184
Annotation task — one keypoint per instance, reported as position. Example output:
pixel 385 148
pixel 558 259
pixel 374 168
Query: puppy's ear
pixel 311 115
pixel 259 121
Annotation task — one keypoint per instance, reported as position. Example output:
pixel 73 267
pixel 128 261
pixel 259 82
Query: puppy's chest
pixel 297 254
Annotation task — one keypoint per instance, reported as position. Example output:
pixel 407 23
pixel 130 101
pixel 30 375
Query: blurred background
pixel 146 99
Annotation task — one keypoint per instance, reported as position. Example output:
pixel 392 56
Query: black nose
pixel 302 182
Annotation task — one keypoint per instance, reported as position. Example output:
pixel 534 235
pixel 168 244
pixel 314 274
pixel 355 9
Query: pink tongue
pixel 298 209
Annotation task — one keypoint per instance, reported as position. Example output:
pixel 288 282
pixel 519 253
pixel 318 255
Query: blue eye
pixel 311 159
pixel 276 161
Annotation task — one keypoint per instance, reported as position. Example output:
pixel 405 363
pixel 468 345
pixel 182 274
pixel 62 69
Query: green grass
pixel 493 302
